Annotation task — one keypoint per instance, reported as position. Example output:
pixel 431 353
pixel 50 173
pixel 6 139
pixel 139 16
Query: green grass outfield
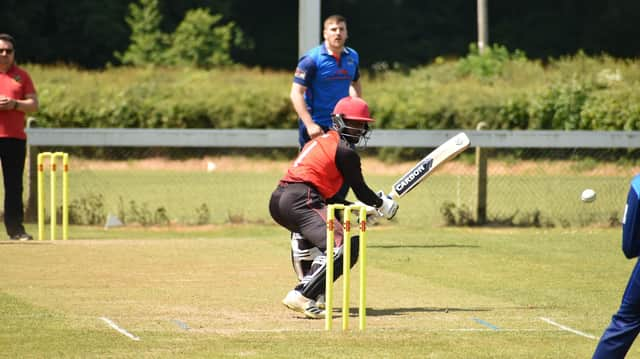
pixel 215 293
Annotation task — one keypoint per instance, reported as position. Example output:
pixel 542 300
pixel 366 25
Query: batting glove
pixel 372 212
pixel 389 207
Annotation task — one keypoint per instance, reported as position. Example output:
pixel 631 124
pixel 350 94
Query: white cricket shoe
pixel 299 303
pixel 320 301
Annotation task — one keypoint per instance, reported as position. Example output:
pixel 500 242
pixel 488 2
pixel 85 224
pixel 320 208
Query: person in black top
pixel 311 182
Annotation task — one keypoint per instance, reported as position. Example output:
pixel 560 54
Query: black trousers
pixel 13 153
pixel 300 208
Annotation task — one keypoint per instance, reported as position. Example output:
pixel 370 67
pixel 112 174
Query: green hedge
pixel 580 92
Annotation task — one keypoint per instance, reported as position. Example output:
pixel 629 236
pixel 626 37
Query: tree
pixel 199 42
pixel 148 43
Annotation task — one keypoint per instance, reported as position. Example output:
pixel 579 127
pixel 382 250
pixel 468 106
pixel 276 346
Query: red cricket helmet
pixel 353 108
pixel 346 115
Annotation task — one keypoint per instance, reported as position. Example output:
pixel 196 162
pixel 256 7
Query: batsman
pixel 299 203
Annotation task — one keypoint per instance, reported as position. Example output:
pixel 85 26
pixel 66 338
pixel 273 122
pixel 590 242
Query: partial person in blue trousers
pixel 625 324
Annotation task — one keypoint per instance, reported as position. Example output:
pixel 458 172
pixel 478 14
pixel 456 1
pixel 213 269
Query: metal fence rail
pixel 274 138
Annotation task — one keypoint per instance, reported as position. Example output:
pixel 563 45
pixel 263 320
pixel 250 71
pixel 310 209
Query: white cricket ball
pixel 211 166
pixel 588 195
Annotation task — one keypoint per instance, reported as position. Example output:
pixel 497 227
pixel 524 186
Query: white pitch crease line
pixel 563 327
pixel 297 330
pixel 493 330
pixel 118 328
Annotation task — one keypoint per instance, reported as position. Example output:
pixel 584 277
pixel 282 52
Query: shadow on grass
pixel 393 246
pixel 401 311
pixel 26 243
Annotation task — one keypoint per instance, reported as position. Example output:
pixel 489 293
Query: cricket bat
pixel 446 151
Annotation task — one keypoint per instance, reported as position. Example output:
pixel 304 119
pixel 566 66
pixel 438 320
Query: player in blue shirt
pixel 324 75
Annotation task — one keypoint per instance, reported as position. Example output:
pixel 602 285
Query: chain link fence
pixel 188 186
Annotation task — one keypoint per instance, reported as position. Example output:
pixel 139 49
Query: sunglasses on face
pixel 7 51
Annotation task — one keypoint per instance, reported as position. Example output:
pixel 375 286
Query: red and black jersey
pixel 316 165
pixel 326 163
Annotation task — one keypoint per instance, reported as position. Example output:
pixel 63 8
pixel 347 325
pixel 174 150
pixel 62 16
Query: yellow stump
pixel 41 194
pixel 65 196
pixel 346 267
pixel 52 156
pixel 52 196
pixel 328 320
pixel 346 271
pixel 362 311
